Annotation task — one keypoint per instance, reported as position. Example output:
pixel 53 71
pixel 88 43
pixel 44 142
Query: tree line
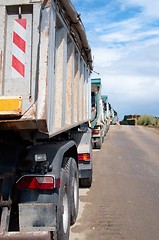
pixel 145 120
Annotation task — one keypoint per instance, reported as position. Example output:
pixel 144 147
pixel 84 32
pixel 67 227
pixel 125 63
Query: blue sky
pixel 124 38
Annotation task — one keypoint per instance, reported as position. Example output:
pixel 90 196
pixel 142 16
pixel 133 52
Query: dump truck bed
pixel 45 63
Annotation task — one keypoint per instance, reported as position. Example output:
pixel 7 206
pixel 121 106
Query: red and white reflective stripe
pixel 19 48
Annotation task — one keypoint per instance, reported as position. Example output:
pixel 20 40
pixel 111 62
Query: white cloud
pixel 130 94
pixel 103 57
pixel 130 78
pixel 149 8
pixel 128 35
pixel 126 53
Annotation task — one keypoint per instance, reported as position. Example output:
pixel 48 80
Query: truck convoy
pixel 113 116
pixel 45 106
pixel 115 119
pixel 97 114
pixel 102 114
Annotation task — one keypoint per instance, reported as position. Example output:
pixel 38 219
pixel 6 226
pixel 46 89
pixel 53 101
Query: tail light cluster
pixel 38 182
pixel 84 157
pixel 96 131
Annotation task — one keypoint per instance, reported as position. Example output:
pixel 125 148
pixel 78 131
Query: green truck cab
pixel 97 114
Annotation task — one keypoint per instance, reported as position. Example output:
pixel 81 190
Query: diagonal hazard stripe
pixel 22 22
pixel 18 53
pixel 19 48
pixel 19 42
pixel 19 30
pixel 19 67
pixel 16 74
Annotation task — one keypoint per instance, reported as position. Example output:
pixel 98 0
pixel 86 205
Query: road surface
pixel 123 202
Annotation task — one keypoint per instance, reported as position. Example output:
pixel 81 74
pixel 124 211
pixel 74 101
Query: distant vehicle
pixel 97 118
pixel 106 113
pixel 115 119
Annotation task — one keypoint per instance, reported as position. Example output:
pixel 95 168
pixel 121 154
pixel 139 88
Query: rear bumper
pixel 26 235
pixel 95 139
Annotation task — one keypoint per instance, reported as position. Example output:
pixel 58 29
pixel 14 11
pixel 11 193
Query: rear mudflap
pixel 34 224
pixel 37 217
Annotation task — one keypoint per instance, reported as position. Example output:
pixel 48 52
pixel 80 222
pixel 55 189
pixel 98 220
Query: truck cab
pixel 97 114
pixel 106 113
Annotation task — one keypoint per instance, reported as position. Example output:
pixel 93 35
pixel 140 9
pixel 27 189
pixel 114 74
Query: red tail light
pixel 84 157
pixel 38 182
pixel 95 131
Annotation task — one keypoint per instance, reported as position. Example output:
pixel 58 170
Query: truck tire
pixel 105 132
pixel 93 145
pixel 99 143
pixel 74 188
pixel 64 209
pixel 85 182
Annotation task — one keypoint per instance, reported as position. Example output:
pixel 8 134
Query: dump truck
pixel 97 114
pixel 45 108
pixel 113 115
pixel 115 119
pixel 106 113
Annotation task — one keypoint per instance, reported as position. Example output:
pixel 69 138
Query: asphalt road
pixel 123 202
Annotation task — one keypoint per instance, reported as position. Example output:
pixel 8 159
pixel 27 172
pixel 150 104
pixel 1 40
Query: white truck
pixel 45 106
pixel 106 110
pixel 97 114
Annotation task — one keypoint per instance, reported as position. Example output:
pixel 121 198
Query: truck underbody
pixel 39 184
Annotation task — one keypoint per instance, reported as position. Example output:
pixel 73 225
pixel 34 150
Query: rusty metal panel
pixel 17 73
pixel 88 86
pixel 18 2
pixel 81 86
pixel 63 91
pixel 25 236
pixel 54 84
pixel 69 83
pixel 51 72
pixel 60 78
pixel 69 109
pixel 43 65
pixel 2 44
pixel 76 86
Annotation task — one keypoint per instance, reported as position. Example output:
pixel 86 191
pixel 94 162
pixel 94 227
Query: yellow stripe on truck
pixel 10 105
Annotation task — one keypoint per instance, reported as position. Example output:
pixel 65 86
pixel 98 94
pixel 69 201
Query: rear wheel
pixel 105 132
pixel 74 188
pixel 64 209
pixel 99 143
